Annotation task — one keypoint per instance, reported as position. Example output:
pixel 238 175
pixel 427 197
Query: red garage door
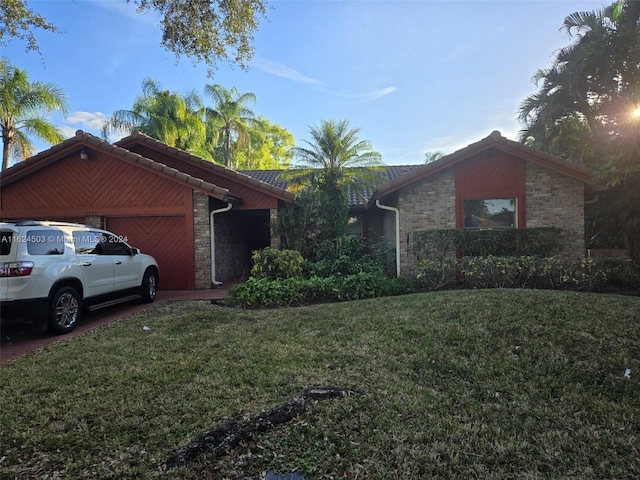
pixel 164 238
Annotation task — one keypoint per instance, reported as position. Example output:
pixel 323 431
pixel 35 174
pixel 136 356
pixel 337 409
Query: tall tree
pixel 585 108
pixel 18 21
pixel 23 109
pixel 269 147
pixel 333 161
pixel 166 116
pixel 206 31
pixel 232 116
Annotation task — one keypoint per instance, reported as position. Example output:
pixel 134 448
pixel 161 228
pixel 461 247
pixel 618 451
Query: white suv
pixel 49 271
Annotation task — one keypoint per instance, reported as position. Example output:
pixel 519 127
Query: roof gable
pixel 206 168
pixel 85 141
pixel 494 141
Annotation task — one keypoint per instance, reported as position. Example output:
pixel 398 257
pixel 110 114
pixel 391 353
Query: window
pixel 44 242
pixel 88 243
pixel 6 239
pixel 115 246
pixel 490 213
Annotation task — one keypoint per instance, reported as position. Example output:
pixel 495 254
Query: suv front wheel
pixel 149 286
pixel 64 310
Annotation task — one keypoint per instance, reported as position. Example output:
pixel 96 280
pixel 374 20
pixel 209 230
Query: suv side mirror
pixel 134 251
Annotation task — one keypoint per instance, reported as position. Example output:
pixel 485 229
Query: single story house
pixel 202 221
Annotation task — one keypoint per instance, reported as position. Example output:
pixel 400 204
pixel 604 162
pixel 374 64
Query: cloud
pixel 364 97
pixel 67 131
pixel 89 120
pixel 280 70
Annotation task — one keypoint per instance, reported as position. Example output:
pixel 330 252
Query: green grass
pixel 460 384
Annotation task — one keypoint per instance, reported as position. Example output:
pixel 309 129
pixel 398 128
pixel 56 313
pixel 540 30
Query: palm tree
pixel 22 105
pixel 231 116
pixel 336 150
pixel 584 108
pixel 335 161
pixel 166 116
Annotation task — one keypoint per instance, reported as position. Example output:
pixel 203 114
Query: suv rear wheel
pixel 64 310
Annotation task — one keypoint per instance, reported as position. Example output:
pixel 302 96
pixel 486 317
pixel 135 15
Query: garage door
pixel 162 237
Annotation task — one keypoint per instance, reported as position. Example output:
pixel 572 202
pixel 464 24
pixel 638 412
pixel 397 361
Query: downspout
pixel 213 243
pixel 593 200
pixel 397 213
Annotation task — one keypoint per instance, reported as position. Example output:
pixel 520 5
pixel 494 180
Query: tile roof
pixel 494 140
pixel 83 139
pixel 388 173
pixel 254 181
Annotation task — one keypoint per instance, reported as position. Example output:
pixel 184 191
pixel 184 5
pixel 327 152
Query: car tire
pixel 149 287
pixel 65 310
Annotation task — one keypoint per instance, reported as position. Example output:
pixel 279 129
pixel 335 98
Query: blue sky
pixel 413 76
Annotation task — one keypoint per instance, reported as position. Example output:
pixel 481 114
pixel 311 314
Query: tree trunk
pixel 6 150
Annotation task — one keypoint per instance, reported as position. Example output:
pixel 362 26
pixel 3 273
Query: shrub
pixel 436 274
pixel 257 292
pixel 262 292
pixel 275 264
pixel 508 242
pixel 499 272
pixel 552 272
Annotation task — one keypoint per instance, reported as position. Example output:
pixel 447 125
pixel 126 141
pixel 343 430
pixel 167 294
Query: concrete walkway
pixel 18 339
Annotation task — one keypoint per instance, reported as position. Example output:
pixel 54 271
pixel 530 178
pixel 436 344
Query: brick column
pixel 94 221
pixel 202 240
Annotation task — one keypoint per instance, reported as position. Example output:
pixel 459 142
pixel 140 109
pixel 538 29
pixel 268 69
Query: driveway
pixel 18 339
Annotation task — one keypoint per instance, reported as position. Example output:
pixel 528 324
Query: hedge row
pixel 508 242
pixel 529 272
pixel 262 292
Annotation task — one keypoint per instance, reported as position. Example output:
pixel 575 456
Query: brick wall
pixel 202 240
pixel 94 221
pixel 555 200
pixel 427 204
pixel 552 200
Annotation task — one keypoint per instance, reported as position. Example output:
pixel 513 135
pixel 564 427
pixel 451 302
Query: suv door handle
pixel 118 262
pixel 86 264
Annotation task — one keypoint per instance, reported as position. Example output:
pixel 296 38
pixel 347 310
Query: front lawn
pixel 456 384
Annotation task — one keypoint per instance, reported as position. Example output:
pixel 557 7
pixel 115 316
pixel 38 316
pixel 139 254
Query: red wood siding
pixel 494 175
pixel 167 239
pixel 252 199
pixel 101 186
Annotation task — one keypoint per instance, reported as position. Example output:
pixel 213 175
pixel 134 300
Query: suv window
pixel 116 246
pixel 44 242
pixel 89 243
pixel 6 238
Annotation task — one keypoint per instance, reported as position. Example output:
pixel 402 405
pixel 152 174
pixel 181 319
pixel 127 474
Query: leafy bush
pixel 508 242
pixel 263 292
pixel 437 274
pixel 500 272
pixel 552 272
pixel 275 264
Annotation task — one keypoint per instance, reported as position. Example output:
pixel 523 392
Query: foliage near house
pixel 586 109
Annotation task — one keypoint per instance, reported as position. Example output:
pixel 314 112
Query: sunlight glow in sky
pixel 413 76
